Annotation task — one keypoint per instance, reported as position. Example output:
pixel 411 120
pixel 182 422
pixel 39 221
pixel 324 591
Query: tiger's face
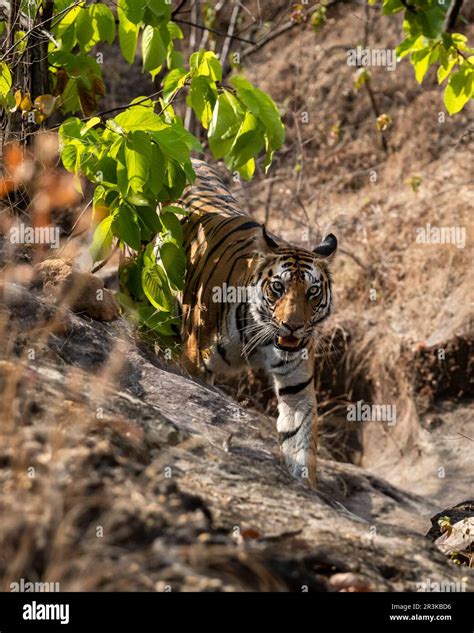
pixel 294 294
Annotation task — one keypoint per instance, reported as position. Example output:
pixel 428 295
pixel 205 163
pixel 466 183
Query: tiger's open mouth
pixel 289 343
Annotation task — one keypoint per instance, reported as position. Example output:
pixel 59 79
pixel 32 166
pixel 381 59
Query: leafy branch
pixel 429 41
pixel 139 160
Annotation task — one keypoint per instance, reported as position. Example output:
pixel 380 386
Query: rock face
pixel 144 479
pixel 83 292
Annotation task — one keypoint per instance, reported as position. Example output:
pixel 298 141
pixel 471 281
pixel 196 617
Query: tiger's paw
pixel 302 466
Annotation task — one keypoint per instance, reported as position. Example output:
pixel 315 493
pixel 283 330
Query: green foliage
pixel 428 45
pixel 140 159
pixel 6 97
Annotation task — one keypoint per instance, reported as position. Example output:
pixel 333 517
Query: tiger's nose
pixel 292 326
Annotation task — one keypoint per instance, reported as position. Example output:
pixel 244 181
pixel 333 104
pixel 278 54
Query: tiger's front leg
pixel 297 420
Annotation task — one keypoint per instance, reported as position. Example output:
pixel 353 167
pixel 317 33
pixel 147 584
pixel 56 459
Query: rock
pixel 349 583
pixel 453 532
pixel 128 445
pixel 83 292
pixel 457 538
pixel 455 514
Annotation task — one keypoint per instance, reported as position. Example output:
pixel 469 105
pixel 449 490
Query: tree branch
pixel 256 46
pixel 38 27
pixel 206 28
pixel 452 15
pixel 230 34
pixel 376 111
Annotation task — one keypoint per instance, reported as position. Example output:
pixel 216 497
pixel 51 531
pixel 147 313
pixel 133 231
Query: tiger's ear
pixel 328 246
pixel 270 242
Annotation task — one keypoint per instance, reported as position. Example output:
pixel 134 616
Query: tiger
pixel 281 295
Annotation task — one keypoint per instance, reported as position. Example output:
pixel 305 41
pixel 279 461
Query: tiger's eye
pixel 314 291
pixel 277 287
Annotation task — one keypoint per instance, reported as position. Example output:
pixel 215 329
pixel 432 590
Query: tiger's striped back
pixel 220 242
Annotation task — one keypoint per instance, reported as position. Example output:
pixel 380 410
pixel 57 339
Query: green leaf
pixel 161 8
pixel 172 208
pixel 103 23
pixel 202 98
pixel 409 45
pixel 65 29
pixel 69 157
pixel 115 127
pixel 247 170
pixel 155 287
pixel 446 67
pixel 459 90
pixel 174 262
pixel 122 173
pixel 174 80
pixel 137 159
pixel 5 79
pixel 130 277
pixel 421 62
pixel 226 121
pixel 172 228
pixel 89 125
pixel 84 29
pixel 157 170
pixel 106 171
pixel 149 220
pixel 174 31
pixel 159 322
pixel 175 180
pixel 102 240
pixel 138 200
pixel 262 107
pixel 249 141
pixel 174 58
pixel 133 10
pixel 128 36
pixel 171 144
pixel 430 21
pixel 153 49
pixel 139 118
pixel 70 129
pixel 125 226
pixel 205 63
pixel 392 6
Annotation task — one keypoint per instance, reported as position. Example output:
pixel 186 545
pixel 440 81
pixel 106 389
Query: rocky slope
pixel 117 472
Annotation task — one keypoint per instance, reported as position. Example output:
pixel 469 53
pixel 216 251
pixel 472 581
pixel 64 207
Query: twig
pixel 376 111
pixel 230 33
pixel 128 105
pixel 452 15
pixel 269 199
pixel 207 28
pixel 188 116
pixel 354 257
pixel 301 154
pixel 256 46
pixel 105 261
pixel 36 27
pixel 178 8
